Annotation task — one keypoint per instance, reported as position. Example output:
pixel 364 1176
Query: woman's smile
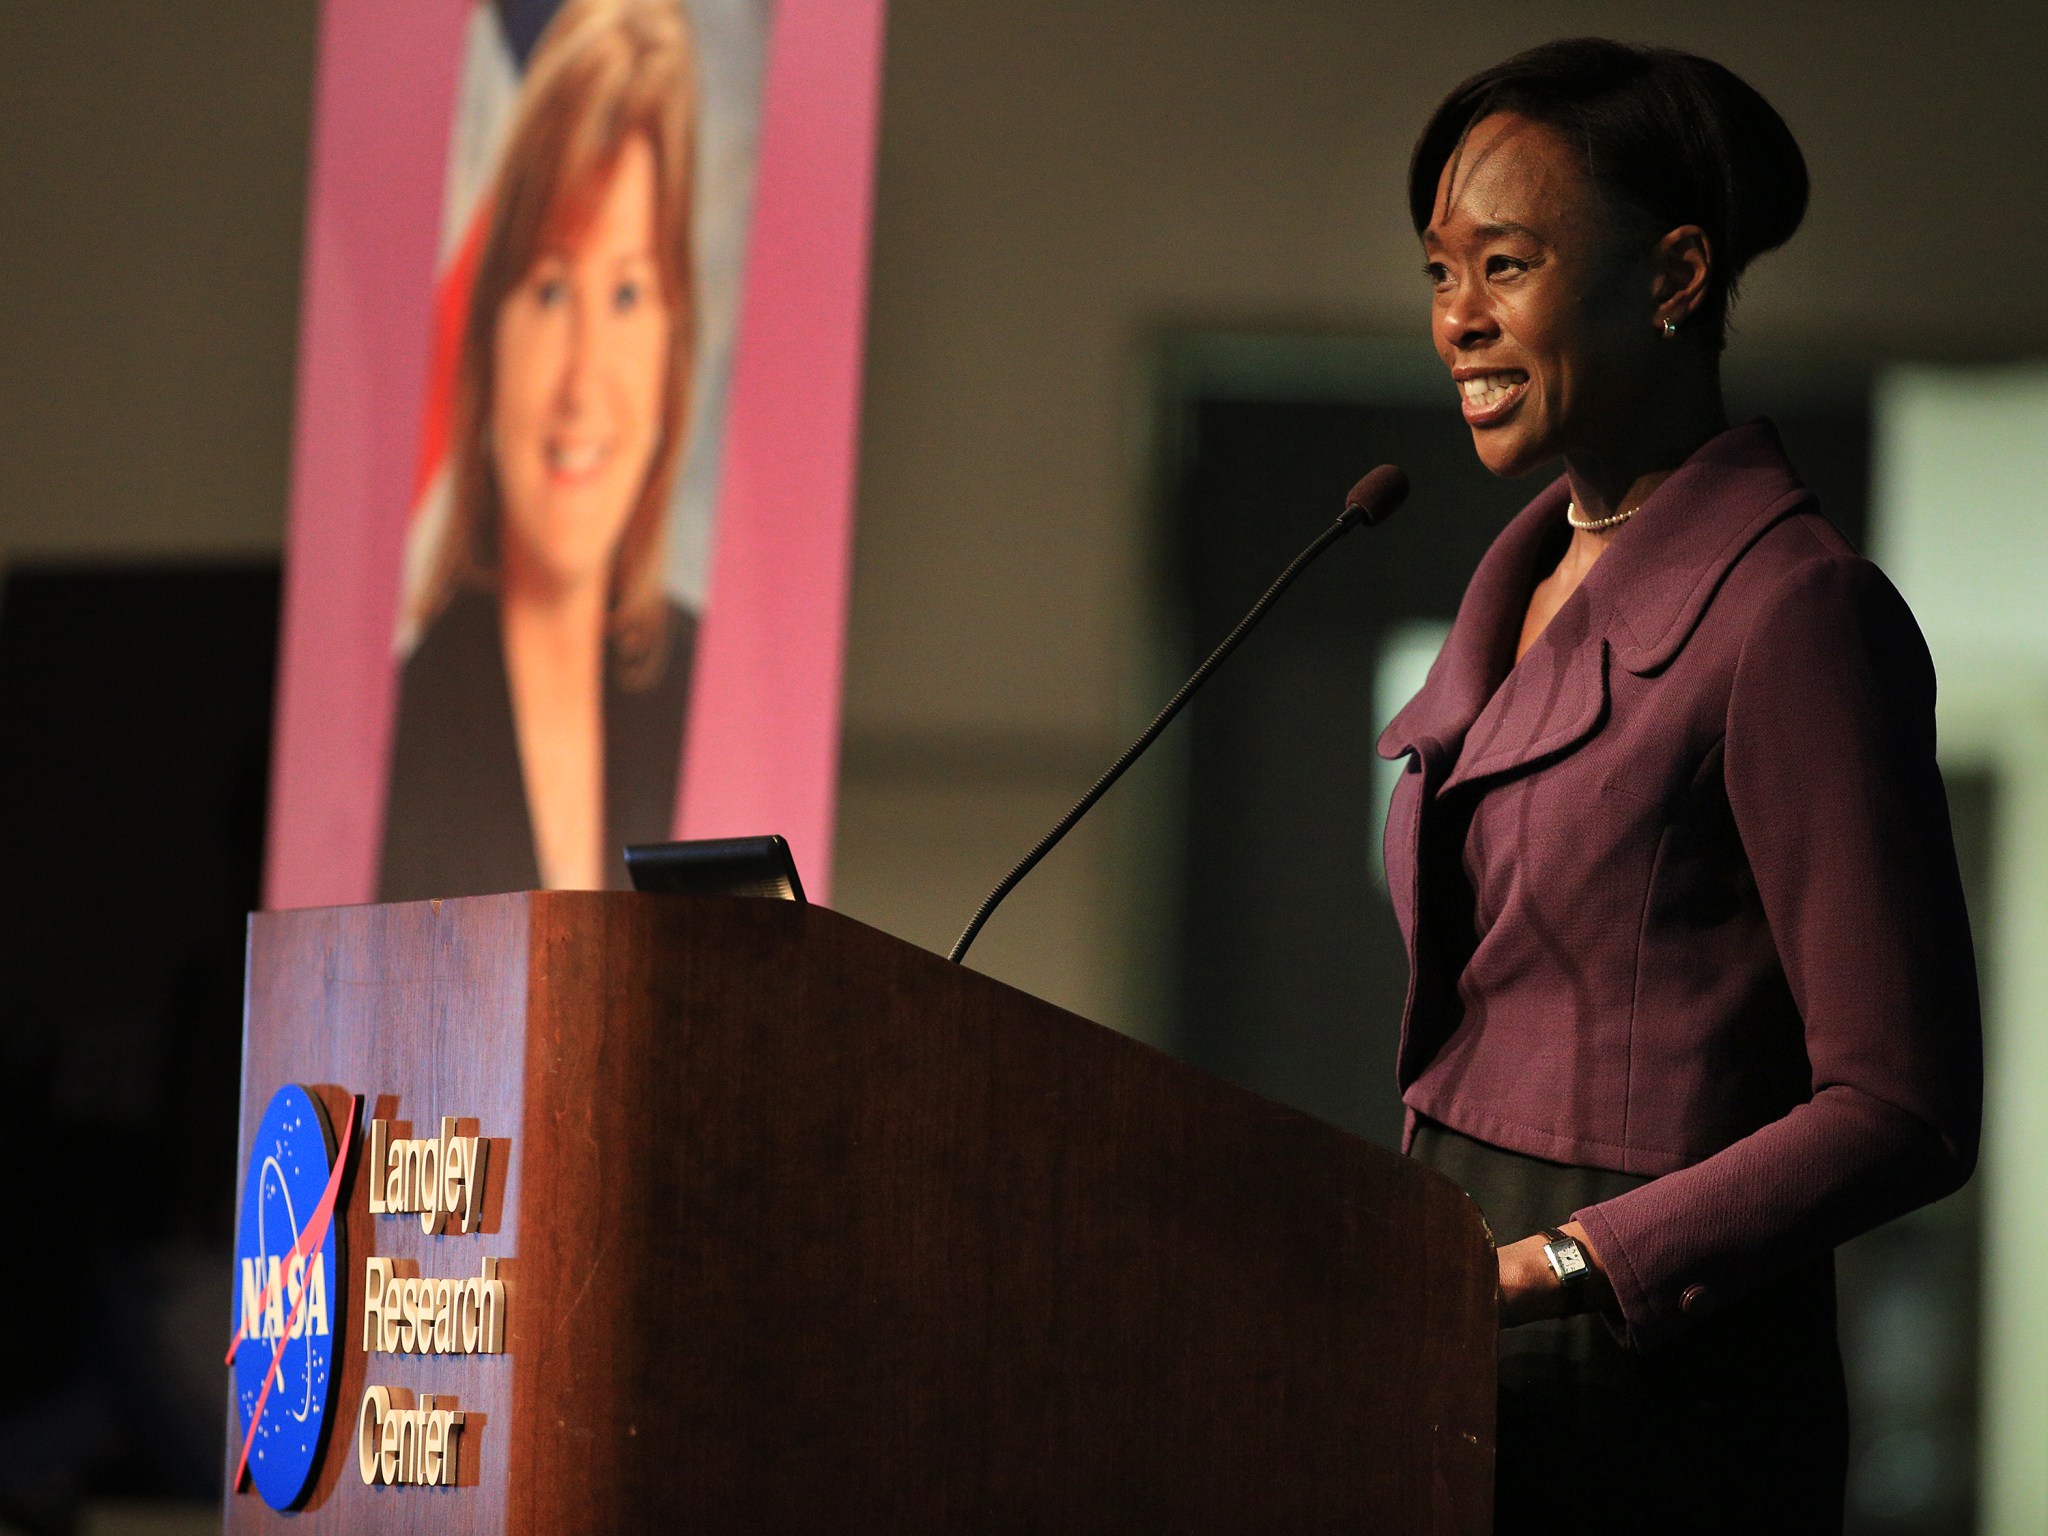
pixel 1490 395
pixel 573 461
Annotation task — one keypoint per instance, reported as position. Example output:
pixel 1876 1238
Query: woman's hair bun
pixel 1671 136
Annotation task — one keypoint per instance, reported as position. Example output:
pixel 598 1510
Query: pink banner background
pixel 762 750
pixel 763 732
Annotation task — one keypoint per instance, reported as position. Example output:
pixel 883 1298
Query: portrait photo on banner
pixel 557 550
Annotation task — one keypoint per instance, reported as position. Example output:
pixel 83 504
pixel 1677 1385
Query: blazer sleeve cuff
pixel 1648 1316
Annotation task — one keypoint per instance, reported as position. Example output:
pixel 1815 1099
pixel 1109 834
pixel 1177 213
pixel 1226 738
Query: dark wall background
pixel 134 743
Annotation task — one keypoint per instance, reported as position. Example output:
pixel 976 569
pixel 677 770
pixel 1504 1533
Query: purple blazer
pixel 1679 889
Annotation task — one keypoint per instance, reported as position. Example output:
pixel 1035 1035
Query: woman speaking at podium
pixel 1693 996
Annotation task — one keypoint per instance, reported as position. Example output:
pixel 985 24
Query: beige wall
pixel 152 180
pixel 1059 183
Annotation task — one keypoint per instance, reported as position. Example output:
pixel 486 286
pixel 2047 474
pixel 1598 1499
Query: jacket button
pixel 1694 1299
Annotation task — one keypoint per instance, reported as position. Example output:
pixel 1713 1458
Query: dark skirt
pixel 1738 1423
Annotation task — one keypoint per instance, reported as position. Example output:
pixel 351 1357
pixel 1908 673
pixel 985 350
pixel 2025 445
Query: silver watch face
pixel 1567 1259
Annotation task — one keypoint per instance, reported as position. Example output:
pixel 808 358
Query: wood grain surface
pixel 806 1229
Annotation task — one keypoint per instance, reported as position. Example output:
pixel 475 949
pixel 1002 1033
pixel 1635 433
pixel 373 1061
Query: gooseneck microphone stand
pixel 1371 501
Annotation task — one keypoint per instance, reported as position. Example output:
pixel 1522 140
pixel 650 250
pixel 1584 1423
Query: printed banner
pixel 579 376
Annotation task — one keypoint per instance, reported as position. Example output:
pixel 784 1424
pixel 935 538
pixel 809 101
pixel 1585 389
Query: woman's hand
pixel 1528 1289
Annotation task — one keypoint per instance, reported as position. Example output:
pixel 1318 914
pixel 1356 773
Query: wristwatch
pixel 1568 1261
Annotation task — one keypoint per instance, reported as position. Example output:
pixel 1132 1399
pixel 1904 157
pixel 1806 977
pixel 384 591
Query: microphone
pixel 1372 501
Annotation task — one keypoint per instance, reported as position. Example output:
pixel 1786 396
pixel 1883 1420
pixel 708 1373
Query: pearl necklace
pixel 1595 524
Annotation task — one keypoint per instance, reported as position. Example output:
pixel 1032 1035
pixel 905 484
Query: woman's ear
pixel 1683 265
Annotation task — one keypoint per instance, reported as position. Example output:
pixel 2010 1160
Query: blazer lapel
pixel 1658 580
pixel 1481 646
pixel 1554 699
pixel 1489 714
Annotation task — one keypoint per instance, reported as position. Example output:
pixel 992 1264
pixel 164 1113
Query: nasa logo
pixel 288 1295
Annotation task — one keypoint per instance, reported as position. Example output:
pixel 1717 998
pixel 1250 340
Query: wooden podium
pixel 802 1228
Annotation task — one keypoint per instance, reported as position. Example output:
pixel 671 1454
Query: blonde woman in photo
pixel 541 713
